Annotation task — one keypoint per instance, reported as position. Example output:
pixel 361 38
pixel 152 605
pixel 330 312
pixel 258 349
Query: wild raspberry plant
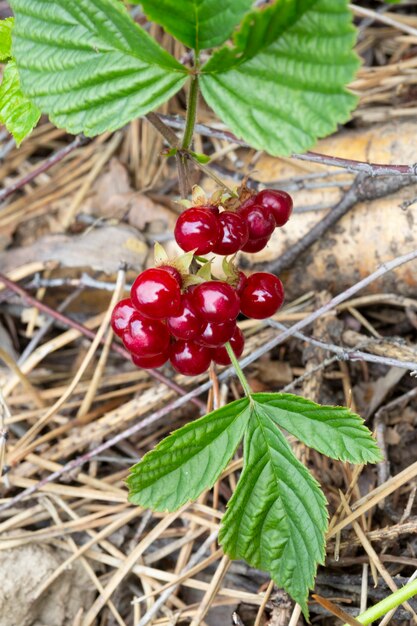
pixel 276 76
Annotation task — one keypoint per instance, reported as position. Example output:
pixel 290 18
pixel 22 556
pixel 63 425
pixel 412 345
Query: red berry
pixel 156 294
pixel 278 202
pixel 260 221
pixel 215 335
pixel 146 337
pixel 234 233
pixel 173 271
pixel 241 282
pixel 256 245
pixel 262 296
pixel 186 325
pixel 189 358
pixel 216 301
pixel 197 229
pixel 121 315
pixel 149 362
pixel 237 342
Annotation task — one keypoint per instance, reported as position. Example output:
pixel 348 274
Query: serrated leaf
pixel 88 65
pixel 332 430
pixel 6 38
pixel 17 112
pixel 190 460
pixel 276 520
pixel 199 24
pixel 282 85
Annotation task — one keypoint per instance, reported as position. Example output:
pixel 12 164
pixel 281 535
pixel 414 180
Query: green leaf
pixel 276 520
pixel 6 38
pixel 283 83
pixel 190 460
pixel 17 112
pixel 88 65
pixel 199 24
pixel 332 430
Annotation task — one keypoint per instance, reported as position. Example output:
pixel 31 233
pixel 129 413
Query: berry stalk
pixel 239 372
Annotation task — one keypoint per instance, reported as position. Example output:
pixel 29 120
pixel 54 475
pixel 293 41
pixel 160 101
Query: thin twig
pixel 179 402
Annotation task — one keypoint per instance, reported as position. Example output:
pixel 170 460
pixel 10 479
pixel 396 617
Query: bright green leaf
pixel 190 460
pixel 332 430
pixel 6 38
pixel 283 83
pixel 17 112
pixel 199 24
pixel 276 520
pixel 88 65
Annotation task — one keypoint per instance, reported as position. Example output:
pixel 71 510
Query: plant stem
pixel 388 604
pixel 241 376
pixel 192 105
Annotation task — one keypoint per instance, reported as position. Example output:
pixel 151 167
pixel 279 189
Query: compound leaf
pixel 199 24
pixel 332 430
pixel 88 65
pixel 190 460
pixel 17 112
pixel 276 519
pixel 283 83
pixel 6 38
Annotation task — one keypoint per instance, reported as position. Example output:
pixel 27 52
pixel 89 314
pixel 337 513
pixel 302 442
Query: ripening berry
pixel 121 316
pixel 278 202
pixel 189 358
pixel 149 362
pixel 237 343
pixel 173 271
pixel 156 294
pixel 197 229
pixel 215 335
pixel 255 245
pixel 187 324
pixel 260 221
pixel 262 296
pixel 234 233
pixel 216 301
pixel 146 337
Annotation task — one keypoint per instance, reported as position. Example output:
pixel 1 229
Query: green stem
pixel 388 604
pixel 241 376
pixel 192 105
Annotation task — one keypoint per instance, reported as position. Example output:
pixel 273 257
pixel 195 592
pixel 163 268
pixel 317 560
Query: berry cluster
pixel 188 320
pixel 204 229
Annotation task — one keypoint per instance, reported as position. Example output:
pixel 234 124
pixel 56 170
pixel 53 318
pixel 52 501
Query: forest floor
pixel 75 414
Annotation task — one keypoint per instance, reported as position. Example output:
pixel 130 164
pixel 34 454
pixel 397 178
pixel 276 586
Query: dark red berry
pixel 189 358
pixel 241 282
pixel 237 342
pixel 234 233
pixel 121 316
pixel 256 245
pixel 260 221
pixel 156 294
pixel 197 229
pixel 262 296
pixel 146 337
pixel 173 271
pixel 278 202
pixel 149 362
pixel 215 335
pixel 216 301
pixel 187 324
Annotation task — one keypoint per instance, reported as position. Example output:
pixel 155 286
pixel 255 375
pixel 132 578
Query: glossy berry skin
pixel 121 316
pixel 237 342
pixel 149 362
pixel 215 335
pixel 173 271
pixel 187 324
pixel 262 296
pixel 156 294
pixel 260 221
pixel 146 337
pixel 189 358
pixel 234 233
pixel 241 282
pixel 216 301
pixel 278 202
pixel 256 245
pixel 197 229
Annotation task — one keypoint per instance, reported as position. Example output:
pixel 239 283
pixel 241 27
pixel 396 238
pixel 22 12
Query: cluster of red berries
pixel 164 319
pixel 204 229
